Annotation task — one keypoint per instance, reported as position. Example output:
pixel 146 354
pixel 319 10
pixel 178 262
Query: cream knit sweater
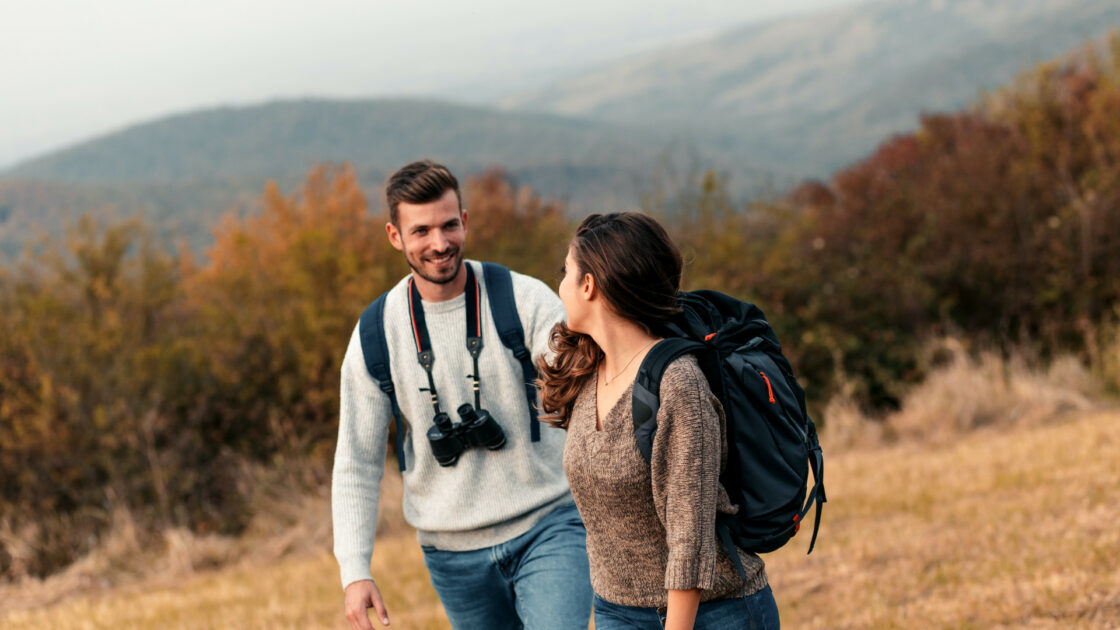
pixel 488 497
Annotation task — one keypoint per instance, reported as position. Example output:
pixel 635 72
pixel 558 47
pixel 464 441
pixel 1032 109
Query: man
pixel 502 540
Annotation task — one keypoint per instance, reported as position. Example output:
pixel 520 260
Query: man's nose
pixel 440 242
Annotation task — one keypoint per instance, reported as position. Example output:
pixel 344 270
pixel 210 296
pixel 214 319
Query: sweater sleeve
pixel 685 474
pixel 359 462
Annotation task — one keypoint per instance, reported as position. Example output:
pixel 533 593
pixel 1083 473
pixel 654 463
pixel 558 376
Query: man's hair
pixel 423 181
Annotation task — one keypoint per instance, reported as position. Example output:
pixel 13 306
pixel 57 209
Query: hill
pixel 997 529
pixel 289 137
pixel 191 167
pixel 807 94
pixel 764 104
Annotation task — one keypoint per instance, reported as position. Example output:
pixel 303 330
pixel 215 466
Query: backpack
pixel 772 442
pixel 503 308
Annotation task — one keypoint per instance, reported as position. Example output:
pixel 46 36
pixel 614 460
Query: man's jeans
pixel 537 581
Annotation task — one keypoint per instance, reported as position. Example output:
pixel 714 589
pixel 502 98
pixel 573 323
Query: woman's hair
pixel 637 270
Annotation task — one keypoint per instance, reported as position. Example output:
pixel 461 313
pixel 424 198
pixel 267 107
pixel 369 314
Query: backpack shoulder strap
pixel 503 308
pixel 371 330
pixel 816 495
pixel 647 387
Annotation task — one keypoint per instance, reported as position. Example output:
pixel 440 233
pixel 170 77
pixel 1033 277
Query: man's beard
pixel 457 260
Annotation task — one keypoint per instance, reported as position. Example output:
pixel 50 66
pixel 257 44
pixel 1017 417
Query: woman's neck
pixel 620 340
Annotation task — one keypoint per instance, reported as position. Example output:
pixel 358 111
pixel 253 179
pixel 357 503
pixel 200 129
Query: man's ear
pixel 394 236
pixel 463 218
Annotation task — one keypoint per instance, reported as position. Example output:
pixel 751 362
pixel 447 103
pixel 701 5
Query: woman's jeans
pixel 538 581
pixel 758 611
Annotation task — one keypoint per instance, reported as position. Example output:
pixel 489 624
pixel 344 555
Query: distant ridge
pixel 765 104
pixel 184 170
pixel 288 137
pixel 813 92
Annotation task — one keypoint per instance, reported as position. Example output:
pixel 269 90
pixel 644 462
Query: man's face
pixel 432 236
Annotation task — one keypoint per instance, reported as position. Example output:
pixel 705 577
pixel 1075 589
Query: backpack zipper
pixel 769 388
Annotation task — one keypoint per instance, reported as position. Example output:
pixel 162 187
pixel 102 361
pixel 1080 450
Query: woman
pixel 651 537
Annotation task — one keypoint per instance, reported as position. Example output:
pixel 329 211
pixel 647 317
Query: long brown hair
pixel 637 268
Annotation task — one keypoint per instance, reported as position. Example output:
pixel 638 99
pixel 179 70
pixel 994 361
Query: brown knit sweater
pixel 651 527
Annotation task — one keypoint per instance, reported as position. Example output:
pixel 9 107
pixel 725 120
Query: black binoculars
pixel 478 428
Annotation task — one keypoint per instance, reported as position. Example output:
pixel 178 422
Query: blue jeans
pixel 757 611
pixel 538 581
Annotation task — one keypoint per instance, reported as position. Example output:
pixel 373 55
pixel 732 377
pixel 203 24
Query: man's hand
pixel 360 597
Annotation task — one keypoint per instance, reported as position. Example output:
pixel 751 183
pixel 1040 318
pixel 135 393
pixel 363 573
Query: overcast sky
pixel 75 69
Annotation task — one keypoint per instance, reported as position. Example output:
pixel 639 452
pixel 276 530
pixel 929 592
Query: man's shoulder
pixel 525 284
pixel 393 293
pixel 396 302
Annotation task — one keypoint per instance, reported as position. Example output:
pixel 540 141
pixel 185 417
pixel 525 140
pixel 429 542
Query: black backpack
pixel 772 443
pixel 503 308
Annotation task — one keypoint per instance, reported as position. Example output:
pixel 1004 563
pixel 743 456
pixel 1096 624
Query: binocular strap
pixel 424 354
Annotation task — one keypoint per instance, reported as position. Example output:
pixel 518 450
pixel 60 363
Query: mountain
pixel 285 137
pixel 766 104
pixel 810 93
pixel 191 167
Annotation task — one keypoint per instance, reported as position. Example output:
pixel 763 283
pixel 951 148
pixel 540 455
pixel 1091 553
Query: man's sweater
pixel 488 497
pixel 651 527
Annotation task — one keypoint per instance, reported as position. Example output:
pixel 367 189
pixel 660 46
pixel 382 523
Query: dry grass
pixel 1007 518
pixel 966 394
pixel 1001 529
pixel 299 592
pixel 1103 346
pixel 280 575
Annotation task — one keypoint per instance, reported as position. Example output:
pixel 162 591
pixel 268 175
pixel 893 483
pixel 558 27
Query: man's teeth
pixel 442 259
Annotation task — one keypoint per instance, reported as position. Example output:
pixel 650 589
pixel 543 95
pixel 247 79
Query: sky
pixel 71 70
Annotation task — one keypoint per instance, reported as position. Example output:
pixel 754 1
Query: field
pixel 999 528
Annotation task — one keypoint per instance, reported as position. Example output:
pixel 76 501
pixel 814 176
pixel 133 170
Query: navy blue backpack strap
pixel 816 495
pixel 371 330
pixel 503 308
pixel 647 387
pixel 724 531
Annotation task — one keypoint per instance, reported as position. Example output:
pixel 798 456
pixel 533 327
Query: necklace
pixel 607 380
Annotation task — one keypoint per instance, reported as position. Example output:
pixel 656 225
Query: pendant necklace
pixel 607 380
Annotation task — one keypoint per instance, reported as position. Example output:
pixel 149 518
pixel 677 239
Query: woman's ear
pixel 587 288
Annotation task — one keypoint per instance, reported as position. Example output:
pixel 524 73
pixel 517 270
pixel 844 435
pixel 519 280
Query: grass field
pixel 1001 528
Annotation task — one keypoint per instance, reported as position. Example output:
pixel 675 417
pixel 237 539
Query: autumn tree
pixel 88 373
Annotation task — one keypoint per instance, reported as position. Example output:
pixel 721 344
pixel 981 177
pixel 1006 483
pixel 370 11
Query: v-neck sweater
pixel 651 527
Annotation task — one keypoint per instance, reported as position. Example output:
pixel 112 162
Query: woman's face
pixel 571 293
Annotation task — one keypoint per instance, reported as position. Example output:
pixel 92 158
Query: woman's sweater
pixel 651 527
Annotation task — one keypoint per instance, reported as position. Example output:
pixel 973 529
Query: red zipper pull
pixel 769 388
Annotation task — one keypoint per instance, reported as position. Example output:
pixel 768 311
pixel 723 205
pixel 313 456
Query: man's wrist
pixel 354 569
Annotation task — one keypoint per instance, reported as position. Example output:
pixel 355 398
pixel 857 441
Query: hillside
pixel 289 137
pixel 186 169
pixel 765 104
pixel 1001 528
pixel 809 93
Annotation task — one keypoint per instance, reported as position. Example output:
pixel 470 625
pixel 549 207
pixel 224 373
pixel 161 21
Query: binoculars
pixel 478 428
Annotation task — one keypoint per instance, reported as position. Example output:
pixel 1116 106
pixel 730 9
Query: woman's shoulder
pixel 685 389
pixel 683 374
